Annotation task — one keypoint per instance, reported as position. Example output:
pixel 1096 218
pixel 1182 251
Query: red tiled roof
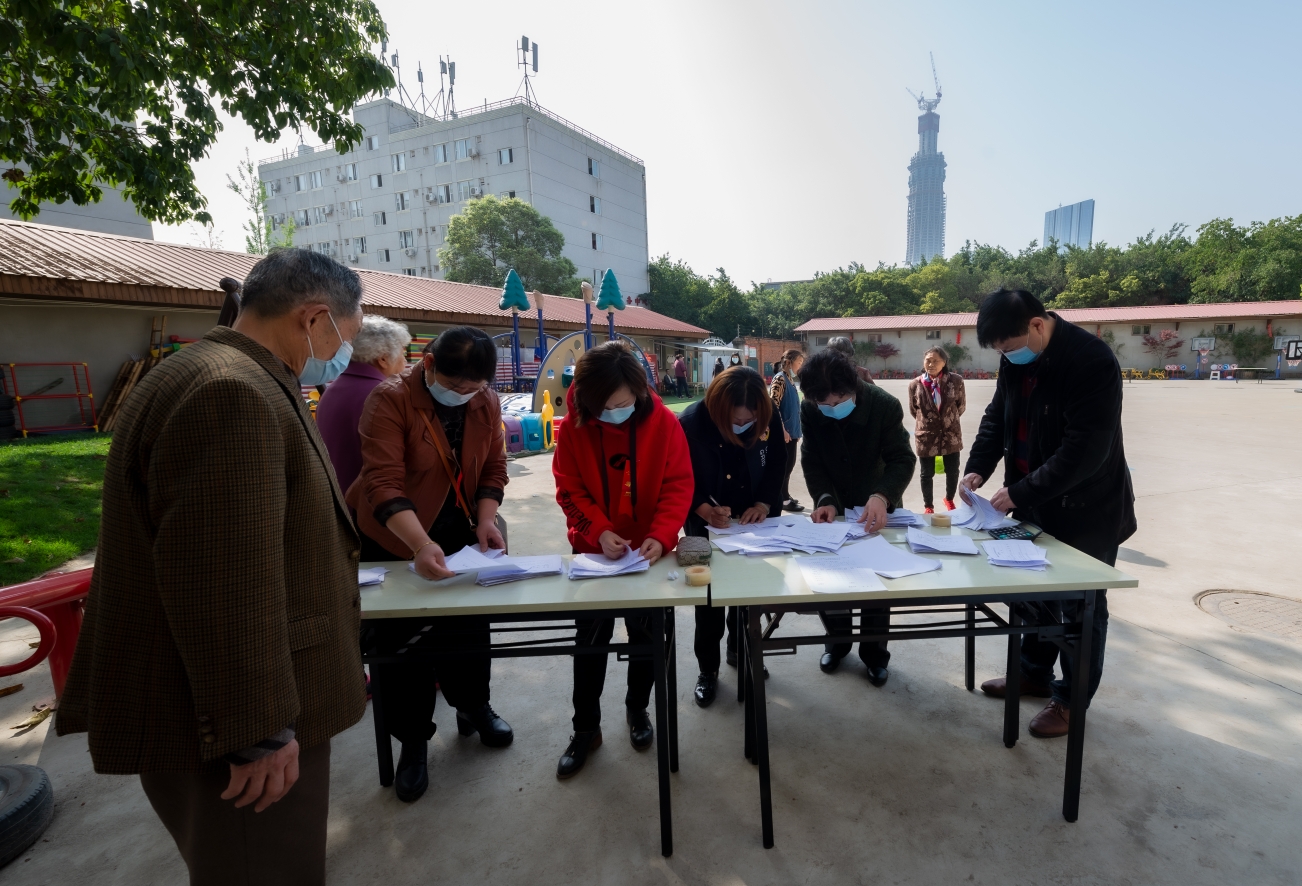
pixel 1145 314
pixel 65 263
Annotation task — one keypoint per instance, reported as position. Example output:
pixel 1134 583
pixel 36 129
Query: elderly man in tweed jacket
pixel 219 649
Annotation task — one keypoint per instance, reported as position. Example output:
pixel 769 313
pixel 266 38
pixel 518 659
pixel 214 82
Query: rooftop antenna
pixel 445 106
pixel 524 49
pixel 927 105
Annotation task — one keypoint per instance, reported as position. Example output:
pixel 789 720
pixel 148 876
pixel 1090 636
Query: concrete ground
pixel 1191 762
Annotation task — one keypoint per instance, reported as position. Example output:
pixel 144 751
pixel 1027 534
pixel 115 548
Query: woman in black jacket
pixel 739 459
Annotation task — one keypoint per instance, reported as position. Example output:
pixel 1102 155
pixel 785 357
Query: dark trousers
pixel 792 448
pixel 873 653
pixel 1038 657
pixel 590 670
pixel 284 845
pixel 710 624
pixel 680 383
pixel 927 466
pixel 408 691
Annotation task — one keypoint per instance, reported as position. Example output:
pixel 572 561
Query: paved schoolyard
pixel 1191 766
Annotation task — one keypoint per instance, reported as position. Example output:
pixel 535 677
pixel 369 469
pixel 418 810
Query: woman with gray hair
pixel 379 351
pixel 845 346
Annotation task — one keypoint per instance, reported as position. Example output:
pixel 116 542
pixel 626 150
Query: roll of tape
pixel 698 576
pixel 940 520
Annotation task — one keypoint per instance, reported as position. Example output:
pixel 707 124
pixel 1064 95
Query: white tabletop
pixel 741 580
pixel 405 594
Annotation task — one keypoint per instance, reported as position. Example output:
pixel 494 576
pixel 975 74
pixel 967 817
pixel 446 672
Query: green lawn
pixel 678 404
pixel 49 502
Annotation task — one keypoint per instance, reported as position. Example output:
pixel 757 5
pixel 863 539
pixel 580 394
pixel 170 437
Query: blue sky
pixel 777 135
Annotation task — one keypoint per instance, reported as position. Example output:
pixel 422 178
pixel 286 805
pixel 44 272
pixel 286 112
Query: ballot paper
pixel 1019 553
pixel 372 576
pixel 897 517
pixel 600 566
pixel 925 543
pixel 812 538
pixel 978 513
pixel 766 525
pixel 750 543
pixel 886 559
pixel 505 569
pixel 470 559
pixel 834 575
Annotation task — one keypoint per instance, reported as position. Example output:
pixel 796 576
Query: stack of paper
pixel 1019 553
pixel 507 569
pixel 886 559
pixel 978 513
pixel 470 559
pixel 763 526
pixel 803 535
pixel 601 566
pixel 897 517
pixel 926 543
pixel 371 576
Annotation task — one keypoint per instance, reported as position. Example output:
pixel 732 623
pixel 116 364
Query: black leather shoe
pixel 640 730
pixel 493 730
pixel 581 744
pixel 829 662
pixel 877 676
pixel 792 505
pixel 412 777
pixel 731 658
pixel 707 687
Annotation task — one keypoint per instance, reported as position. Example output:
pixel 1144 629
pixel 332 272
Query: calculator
pixel 1026 531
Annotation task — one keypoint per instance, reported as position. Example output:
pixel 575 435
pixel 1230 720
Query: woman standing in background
pixel 786 400
pixel 936 400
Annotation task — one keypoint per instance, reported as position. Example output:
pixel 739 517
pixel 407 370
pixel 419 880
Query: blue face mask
pixel 322 372
pixel 741 429
pixel 617 416
pixel 839 411
pixel 449 397
pixel 1022 356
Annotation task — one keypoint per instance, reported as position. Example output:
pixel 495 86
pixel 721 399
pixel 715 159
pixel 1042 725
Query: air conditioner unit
pixel 411 251
pixel 341 177
pixel 352 258
pixel 474 151
pixel 431 198
pixel 476 192
pixel 330 210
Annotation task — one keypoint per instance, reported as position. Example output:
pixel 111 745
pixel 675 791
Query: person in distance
pixel 937 399
pixel 845 346
pixel 786 400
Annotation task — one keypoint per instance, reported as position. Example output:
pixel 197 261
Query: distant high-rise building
pixel 1070 225
pixel 926 234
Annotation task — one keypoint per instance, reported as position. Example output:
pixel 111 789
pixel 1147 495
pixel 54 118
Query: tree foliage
pixel 260 235
pixel 126 93
pixel 491 236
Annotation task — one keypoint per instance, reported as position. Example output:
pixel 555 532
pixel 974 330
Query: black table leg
pixel 383 745
pixel 760 717
pixel 671 640
pixel 744 680
pixel 1079 700
pixel 1013 679
pixel 662 740
pixel 969 649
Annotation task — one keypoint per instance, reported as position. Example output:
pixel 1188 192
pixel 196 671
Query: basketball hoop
pixel 1203 352
pixel 1292 363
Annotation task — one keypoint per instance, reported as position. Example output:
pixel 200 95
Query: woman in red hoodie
pixel 623 479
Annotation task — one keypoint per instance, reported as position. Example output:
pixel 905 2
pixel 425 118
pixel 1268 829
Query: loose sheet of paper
pixel 599 565
pixel 926 543
pixel 1019 553
pixel 372 576
pixel 978 513
pixel 832 575
pixel 886 559
pixel 769 523
pixel 470 558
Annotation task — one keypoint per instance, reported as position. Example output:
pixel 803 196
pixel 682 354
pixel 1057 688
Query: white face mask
pixel 448 397
pixel 741 429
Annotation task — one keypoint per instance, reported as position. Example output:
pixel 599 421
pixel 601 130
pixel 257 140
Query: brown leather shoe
pixel 998 688
pixel 1052 722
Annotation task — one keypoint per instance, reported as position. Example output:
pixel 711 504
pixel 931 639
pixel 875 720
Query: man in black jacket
pixel 1055 420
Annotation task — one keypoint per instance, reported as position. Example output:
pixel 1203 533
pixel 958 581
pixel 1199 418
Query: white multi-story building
pixel 386 204
pixel 113 214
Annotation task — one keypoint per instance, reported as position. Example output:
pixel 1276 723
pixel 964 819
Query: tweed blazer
pixel 224 604
pixel 937 431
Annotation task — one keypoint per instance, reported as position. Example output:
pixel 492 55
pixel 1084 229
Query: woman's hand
pixel 716 516
pixel 430 563
pixel 490 536
pixel 873 517
pixel 652 550
pixel 825 514
pixel 786 435
pixel 612 545
pixel 756 513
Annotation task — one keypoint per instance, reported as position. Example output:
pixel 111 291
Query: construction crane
pixel 925 104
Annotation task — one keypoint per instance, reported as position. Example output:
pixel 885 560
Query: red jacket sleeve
pixel 675 489
pixel 583 516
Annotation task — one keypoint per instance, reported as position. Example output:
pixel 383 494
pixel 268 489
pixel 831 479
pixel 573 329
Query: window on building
pixel 377 181
pixel 359 245
pixel 382 254
pixel 464 190
pixel 594 168
pixel 325 248
pixel 1223 329
pixel 594 205
pixel 1140 330
pixel 318 215
pixel 314 179
pixel 443 193
pixel 406 239
pixel 372 143
pixel 440 153
pixel 597 242
pixel 400 201
pixel 410 272
pixel 874 336
pixel 933 335
pixel 399 161
pixel 300 183
pixel 508 195
pixel 820 341
pixel 465 148
pixel 505 156
pixel 350 172
pixel 381 218
pixel 354 208
pixel 302 218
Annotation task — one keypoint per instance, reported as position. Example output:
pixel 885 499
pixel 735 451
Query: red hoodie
pixel 648 498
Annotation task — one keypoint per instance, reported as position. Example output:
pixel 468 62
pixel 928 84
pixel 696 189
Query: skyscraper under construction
pixel 926 234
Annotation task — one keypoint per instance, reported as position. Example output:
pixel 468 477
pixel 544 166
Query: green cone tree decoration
pixel 513 294
pixel 609 297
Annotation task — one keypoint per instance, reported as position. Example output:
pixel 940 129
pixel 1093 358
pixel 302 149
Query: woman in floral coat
pixel 936 400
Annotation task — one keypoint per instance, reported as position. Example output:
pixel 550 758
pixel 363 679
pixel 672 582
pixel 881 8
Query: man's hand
pixel 430 563
pixel 718 517
pixel 1002 501
pixel 265 780
pixel 652 550
pixel 873 517
pixel 786 435
pixel 612 545
pixel 756 513
pixel 972 482
pixel 490 536
pixel 825 514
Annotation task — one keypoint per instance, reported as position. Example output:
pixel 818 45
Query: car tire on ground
pixel 26 807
